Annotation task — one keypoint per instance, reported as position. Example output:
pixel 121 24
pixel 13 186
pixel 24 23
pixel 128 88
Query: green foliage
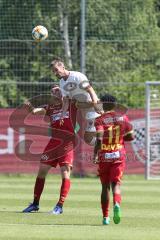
pixel 125 46
pixel 8 90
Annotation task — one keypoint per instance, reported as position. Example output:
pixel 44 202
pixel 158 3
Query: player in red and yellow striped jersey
pixel 110 154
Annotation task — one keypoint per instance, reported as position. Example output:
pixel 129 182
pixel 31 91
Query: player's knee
pixel 42 174
pixel 116 186
pixel 43 171
pixel 65 171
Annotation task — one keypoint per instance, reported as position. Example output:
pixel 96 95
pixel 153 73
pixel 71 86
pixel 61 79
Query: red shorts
pixel 111 172
pixel 57 153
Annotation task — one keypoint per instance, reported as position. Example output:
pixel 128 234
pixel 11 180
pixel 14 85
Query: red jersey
pixel 113 128
pixel 69 120
pixel 61 145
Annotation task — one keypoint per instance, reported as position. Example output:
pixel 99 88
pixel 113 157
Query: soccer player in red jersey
pixel 110 154
pixel 59 150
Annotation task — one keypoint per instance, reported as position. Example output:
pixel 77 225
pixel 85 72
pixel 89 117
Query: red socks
pixel 38 189
pixel 105 204
pixel 39 185
pixel 65 187
pixel 117 198
pixel 105 208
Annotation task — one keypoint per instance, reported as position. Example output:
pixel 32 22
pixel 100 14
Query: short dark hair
pixel 54 86
pixel 57 60
pixel 109 102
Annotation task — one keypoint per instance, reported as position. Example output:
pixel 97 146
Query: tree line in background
pixel 122 45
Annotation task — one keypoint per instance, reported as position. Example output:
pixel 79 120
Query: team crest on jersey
pixel 70 86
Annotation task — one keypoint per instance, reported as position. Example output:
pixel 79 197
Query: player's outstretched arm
pixel 129 136
pixel 65 106
pixel 92 94
pixel 96 149
pixel 39 111
pixel 35 111
pixel 97 146
pixel 95 100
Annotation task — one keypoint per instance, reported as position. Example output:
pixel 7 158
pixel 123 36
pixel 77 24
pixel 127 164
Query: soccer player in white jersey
pixel 75 85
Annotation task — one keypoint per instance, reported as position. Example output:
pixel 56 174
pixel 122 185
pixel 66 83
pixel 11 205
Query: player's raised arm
pixel 92 94
pixel 35 111
pixel 65 106
pixel 129 136
pixel 95 101
pixel 97 146
pixel 39 111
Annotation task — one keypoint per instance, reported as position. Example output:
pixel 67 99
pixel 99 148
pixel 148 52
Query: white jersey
pixel 74 87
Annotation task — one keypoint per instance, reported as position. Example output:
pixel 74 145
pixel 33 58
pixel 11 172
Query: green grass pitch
pixel 82 217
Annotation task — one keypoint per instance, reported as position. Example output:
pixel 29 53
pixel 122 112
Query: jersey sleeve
pixel 128 126
pixel 83 81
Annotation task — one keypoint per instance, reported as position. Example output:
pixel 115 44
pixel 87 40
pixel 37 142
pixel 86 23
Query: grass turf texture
pixel 82 218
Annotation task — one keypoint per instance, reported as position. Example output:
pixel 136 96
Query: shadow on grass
pixel 44 224
pixel 50 224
